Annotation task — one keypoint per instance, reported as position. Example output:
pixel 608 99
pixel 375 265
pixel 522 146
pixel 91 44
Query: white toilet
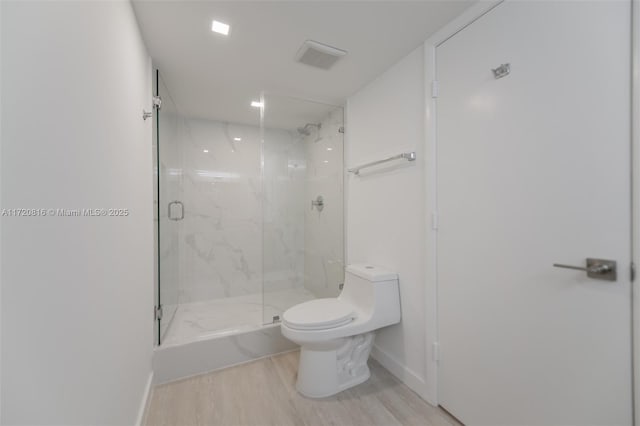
pixel 336 334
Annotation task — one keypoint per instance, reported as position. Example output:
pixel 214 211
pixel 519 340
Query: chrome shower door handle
pixel 169 210
pixel 599 269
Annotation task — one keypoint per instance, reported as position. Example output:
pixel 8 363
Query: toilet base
pixel 331 367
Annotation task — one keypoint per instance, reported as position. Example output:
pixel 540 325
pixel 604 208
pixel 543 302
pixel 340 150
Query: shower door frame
pixel 159 308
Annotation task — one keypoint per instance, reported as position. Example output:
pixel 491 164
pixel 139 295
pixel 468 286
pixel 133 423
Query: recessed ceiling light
pixel 256 104
pixel 329 149
pixel 326 161
pixel 205 150
pixel 237 139
pixel 220 27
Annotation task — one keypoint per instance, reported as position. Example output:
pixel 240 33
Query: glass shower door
pixel 303 241
pixel 169 207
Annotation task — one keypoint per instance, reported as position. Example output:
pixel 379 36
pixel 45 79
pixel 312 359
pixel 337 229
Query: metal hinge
pixel 502 71
pixel 633 271
pixel 436 351
pixel 157 102
pixel 435 89
pixel 434 221
pixel 157 313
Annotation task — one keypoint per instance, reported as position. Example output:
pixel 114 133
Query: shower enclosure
pixel 249 215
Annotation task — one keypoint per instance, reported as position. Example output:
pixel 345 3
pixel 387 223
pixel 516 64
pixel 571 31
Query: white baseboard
pixel 403 373
pixel 146 397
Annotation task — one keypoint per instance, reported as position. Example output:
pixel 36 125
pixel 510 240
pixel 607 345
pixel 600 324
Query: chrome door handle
pixel 600 269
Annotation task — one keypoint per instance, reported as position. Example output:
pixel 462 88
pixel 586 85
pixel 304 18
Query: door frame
pixel 430 130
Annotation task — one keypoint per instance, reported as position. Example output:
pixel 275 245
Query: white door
pixel 534 169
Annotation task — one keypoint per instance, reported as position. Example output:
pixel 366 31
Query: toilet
pixel 336 334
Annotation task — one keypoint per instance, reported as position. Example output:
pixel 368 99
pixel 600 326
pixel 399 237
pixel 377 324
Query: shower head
pixel 306 130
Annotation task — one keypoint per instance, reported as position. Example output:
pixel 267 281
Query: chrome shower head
pixel 306 130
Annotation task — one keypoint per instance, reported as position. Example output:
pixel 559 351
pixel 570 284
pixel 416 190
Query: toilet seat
pixel 319 314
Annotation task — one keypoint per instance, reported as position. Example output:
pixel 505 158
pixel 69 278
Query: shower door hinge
pixel 633 271
pixel 435 89
pixel 434 221
pixel 436 351
pixel 157 102
pixel 157 313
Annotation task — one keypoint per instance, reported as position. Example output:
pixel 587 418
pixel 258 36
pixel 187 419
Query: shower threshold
pixel 207 336
pixel 232 315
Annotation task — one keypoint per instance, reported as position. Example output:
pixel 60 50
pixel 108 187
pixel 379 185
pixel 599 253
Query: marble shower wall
pixel 249 230
pixel 220 252
pixel 227 231
pixel 283 214
pixel 324 231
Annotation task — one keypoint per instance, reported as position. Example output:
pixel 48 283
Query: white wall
pixel 385 208
pixel 1 41
pixel 77 291
pixel 635 132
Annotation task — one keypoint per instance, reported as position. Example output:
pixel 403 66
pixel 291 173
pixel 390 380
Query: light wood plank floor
pixel 263 393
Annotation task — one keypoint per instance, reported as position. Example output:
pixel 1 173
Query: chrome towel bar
pixel 409 156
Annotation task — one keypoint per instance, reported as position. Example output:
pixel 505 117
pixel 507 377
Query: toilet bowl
pixel 336 334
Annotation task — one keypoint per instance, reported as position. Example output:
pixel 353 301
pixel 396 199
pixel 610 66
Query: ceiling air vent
pixel 318 55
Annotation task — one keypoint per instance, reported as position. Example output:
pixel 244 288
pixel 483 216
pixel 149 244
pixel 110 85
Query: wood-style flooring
pixel 263 393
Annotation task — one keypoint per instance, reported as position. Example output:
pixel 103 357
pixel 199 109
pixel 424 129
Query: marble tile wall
pixel 324 231
pixel 249 230
pixel 228 233
pixel 220 243
pixel 284 207
pixel 283 215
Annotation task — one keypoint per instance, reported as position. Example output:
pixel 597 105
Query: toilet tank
pixel 373 291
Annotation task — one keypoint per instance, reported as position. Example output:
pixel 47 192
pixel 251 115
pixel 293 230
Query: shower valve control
pixel 318 203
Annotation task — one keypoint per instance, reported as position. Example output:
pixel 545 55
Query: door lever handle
pixel 599 269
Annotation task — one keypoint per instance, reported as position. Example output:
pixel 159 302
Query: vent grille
pixel 319 55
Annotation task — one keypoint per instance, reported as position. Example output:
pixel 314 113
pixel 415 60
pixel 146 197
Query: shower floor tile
pixel 218 317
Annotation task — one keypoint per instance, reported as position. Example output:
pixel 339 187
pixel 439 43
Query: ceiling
pixel 216 77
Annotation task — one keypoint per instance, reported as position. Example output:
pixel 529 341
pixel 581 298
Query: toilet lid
pixel 319 314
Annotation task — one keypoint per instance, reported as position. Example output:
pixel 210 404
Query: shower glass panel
pixel 169 131
pixel 302 216
pixel 249 213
